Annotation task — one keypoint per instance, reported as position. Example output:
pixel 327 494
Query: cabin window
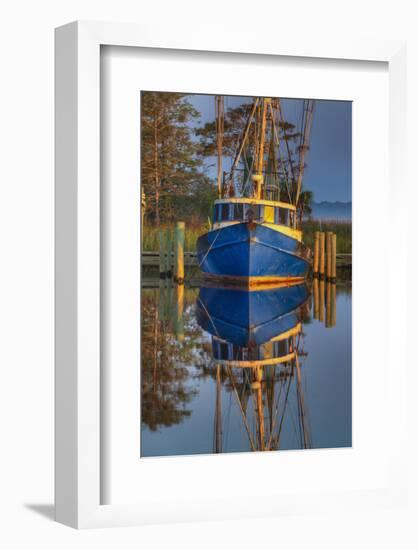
pixel 216 215
pixel 281 348
pixel 238 211
pixel 281 216
pixel 224 350
pixel 225 212
pixel 254 354
pixel 252 211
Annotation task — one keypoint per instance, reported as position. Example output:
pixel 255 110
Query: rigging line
pixel 210 247
pixel 209 316
pixel 227 422
pixel 275 416
pixel 302 407
pixel 283 411
pixel 286 142
pixel 309 108
pixel 297 434
pixel 300 427
pixel 205 256
pixel 244 137
pixel 276 134
pixel 241 409
pixel 249 171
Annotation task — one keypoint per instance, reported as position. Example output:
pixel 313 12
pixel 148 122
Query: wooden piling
pixel 321 300
pixel 334 248
pixel 316 306
pixel 321 255
pixel 328 255
pixel 333 305
pixel 316 253
pixel 168 262
pixel 179 312
pixel 161 254
pixel 179 252
pixel 328 304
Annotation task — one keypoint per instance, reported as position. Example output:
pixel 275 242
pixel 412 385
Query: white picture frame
pixel 78 298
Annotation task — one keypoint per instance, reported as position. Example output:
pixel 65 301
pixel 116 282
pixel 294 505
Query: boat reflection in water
pixel 256 350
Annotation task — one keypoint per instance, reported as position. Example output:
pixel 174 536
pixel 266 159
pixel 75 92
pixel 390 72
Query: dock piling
pixel 321 300
pixel 179 252
pixel 316 304
pixel 328 255
pixel 333 268
pixel 316 253
pixel 321 255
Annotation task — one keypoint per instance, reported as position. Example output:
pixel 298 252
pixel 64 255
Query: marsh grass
pixel 343 230
pixel 150 238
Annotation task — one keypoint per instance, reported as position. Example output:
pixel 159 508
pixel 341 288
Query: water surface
pixel 224 372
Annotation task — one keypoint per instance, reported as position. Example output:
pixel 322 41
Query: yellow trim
pixel 269 214
pixel 284 229
pixel 283 336
pixel 240 281
pixel 289 231
pixel 247 200
pixel 259 363
pixel 287 334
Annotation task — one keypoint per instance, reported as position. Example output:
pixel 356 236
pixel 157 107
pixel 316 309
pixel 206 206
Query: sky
pixel 328 170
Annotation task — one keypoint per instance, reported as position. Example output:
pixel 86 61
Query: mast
pixel 258 177
pixel 304 144
pixel 219 102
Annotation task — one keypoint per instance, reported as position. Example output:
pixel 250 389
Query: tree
pixel 305 204
pixel 169 159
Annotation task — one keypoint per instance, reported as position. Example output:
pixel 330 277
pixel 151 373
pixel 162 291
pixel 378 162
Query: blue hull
pixel 250 318
pixel 251 250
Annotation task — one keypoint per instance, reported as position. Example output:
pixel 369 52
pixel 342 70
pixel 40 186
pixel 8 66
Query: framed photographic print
pixel 216 337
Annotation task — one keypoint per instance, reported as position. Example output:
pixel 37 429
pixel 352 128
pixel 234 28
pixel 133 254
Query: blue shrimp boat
pixel 255 237
pixel 249 328
pixel 251 243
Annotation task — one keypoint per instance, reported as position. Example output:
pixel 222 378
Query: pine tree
pixel 170 165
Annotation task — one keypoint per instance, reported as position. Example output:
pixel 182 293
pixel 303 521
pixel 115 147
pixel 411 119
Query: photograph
pixel 246 273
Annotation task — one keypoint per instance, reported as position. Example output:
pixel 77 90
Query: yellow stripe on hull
pixel 251 282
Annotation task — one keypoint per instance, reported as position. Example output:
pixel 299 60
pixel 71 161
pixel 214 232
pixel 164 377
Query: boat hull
pixel 251 253
pixel 250 318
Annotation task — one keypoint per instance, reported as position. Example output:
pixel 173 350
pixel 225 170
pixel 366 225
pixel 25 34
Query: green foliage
pixel 150 237
pixel 171 166
pixel 343 231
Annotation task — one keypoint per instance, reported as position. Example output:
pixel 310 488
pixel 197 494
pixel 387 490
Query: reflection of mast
pixel 301 405
pixel 259 407
pixel 265 436
pixel 218 414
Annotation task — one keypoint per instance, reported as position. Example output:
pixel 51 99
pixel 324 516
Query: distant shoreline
pixel 332 211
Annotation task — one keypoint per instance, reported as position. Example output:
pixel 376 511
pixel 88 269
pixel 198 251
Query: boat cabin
pixel 237 210
pixel 240 209
pixel 275 351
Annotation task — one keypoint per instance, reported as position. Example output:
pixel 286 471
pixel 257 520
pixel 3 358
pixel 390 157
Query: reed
pixel 150 237
pixel 342 230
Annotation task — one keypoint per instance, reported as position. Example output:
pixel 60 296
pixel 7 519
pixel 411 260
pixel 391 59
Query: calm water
pixel 231 371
